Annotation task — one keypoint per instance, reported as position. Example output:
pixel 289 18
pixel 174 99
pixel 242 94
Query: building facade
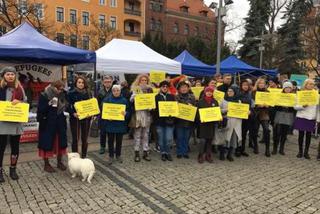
pixel 89 24
pixel 177 20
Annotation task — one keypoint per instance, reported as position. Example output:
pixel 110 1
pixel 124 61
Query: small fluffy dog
pixel 79 166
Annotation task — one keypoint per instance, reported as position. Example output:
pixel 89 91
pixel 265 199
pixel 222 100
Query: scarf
pixel 50 93
pixel 235 97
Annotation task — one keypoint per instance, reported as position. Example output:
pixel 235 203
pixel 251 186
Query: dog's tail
pixel 90 177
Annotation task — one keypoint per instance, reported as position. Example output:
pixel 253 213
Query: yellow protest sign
pixel 197 91
pixel 187 112
pixel 308 97
pixel 144 102
pixel 168 109
pixel 275 90
pixel 14 113
pixel 238 110
pixel 157 76
pixel 264 98
pixel 87 108
pixel 111 111
pixel 219 84
pixel 285 99
pixel 210 114
pixel 218 95
pixel 156 90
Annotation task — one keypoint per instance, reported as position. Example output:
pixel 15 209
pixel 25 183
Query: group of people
pixel 227 137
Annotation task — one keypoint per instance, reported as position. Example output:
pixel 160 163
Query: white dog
pixel 79 166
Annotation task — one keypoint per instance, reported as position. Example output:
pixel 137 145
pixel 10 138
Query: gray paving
pixel 280 184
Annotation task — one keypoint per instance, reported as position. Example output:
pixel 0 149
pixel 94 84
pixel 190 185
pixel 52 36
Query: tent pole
pixel 95 79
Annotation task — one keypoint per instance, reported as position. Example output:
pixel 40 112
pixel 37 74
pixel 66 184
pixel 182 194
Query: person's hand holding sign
pixel 15 102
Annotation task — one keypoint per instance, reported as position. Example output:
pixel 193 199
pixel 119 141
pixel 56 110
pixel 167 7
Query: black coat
pixel 50 124
pixel 206 130
pixel 162 121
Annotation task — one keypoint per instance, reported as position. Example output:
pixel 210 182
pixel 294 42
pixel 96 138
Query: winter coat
pixel 284 115
pixel 102 94
pixel 51 124
pixel 233 125
pixel 185 99
pixel 261 113
pixel 11 128
pixel 162 121
pixel 113 126
pixel 206 130
pixel 73 97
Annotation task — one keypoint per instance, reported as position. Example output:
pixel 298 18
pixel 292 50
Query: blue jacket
pixel 116 126
pixel 73 97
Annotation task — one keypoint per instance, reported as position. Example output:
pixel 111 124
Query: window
pixel 60 38
pixel 85 18
pixel 39 10
pixel 102 42
pixel 131 5
pixel 151 6
pixel 85 42
pixel 73 41
pixel 204 13
pixel 176 28
pixel 3 30
pixel 196 31
pixel 102 2
pixel 131 26
pixel 184 9
pixel 159 25
pixel 186 29
pixel 102 20
pixel 113 3
pixel 152 24
pixel 73 16
pixel 60 14
pixel 23 7
pixel 113 22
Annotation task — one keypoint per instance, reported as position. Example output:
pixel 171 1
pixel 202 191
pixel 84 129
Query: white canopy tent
pixel 132 57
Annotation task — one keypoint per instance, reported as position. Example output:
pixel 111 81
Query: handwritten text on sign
pixel 14 113
pixel 87 108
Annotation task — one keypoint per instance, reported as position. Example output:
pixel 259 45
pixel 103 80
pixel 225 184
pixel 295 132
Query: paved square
pixel 280 184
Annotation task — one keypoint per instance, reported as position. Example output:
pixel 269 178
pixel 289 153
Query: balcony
pixel 132 12
pixel 133 34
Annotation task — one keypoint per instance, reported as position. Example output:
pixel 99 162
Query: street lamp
pixel 221 12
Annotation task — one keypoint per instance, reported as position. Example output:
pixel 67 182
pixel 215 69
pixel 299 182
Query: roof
pixel 26 44
pixel 195 6
pixel 191 66
pixel 126 56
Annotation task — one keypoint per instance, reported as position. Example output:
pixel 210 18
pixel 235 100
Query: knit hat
pixel 164 83
pixel 287 85
pixel 209 89
pixel 8 69
pixel 182 83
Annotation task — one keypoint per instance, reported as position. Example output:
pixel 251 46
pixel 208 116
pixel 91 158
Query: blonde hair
pixel 306 82
pixel 255 88
pixel 137 81
pixel 3 82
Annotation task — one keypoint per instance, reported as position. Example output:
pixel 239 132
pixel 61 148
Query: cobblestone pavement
pixel 280 184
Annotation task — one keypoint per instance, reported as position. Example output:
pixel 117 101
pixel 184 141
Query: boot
pixel 214 149
pixel 1 176
pixel 137 156
pixel 60 165
pixel 243 149
pixel 209 158
pixel 163 157
pixel 229 156
pixel 306 151
pixel 168 157
pixel 238 152
pixel 222 151
pixel 281 151
pixel 200 158
pixel 275 148
pixel 13 173
pixel 47 166
pixel 102 150
pixel 255 148
pixel 299 155
pixel 268 149
pixel 146 156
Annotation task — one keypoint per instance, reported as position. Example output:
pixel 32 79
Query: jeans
pixel 118 137
pixel 165 138
pixel 141 136
pixel 183 135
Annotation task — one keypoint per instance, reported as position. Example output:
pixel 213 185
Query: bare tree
pixel 14 12
pixel 276 7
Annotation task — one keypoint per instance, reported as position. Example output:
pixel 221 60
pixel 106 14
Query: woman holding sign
pixel 117 126
pixel 52 125
pixel 141 120
pixel 10 90
pixel 164 125
pixel 305 121
pixel 262 118
pixel 206 131
pixel 79 127
pixel 184 127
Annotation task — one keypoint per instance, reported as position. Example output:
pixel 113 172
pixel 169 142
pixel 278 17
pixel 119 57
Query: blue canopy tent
pixel 26 44
pixel 233 65
pixel 194 67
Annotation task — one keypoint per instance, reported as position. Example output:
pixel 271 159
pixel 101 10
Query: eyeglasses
pixel 164 86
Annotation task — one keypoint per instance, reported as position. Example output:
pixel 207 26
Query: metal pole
pixel 219 37
pixel 261 57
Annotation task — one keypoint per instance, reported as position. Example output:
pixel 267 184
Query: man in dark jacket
pixel 104 93
pixel 227 80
